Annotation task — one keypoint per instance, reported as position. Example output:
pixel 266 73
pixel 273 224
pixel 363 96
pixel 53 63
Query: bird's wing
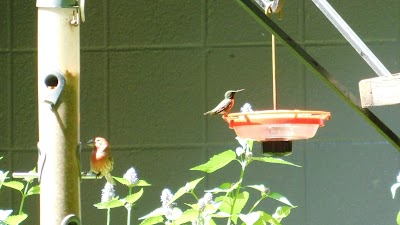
pixel 222 106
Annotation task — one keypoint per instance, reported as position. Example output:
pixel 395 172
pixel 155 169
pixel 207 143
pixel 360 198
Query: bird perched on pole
pixel 101 161
pixel 225 105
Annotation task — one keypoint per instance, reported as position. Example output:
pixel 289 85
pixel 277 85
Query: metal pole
pixel 352 37
pixel 320 71
pixel 58 101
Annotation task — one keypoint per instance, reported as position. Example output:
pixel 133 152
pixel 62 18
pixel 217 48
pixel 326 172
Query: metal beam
pixel 320 71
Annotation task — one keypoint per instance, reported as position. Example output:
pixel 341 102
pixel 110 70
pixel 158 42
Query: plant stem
pixel 128 208
pixel 243 164
pixel 128 222
pixel 23 198
pixel 108 216
pixel 255 204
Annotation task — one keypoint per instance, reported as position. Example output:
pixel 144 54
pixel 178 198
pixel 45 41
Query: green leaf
pixel 122 180
pixel 227 202
pixel 398 218
pixel 4 214
pixel 225 188
pixel 280 198
pixel 187 216
pixel 217 162
pixel 3 177
pixel 259 187
pixel 134 197
pixel 251 218
pixel 140 183
pixel 113 203
pixel 15 220
pixel 157 212
pixel 30 179
pixel 281 212
pixel 274 160
pixel 152 220
pixel 35 190
pixel 268 218
pixel 394 188
pixel 14 185
pixel 183 190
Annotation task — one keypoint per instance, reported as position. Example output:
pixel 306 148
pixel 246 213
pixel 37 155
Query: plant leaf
pixel 152 220
pixel 280 198
pixel 113 203
pixel 140 183
pixel 274 160
pixel 183 190
pixel 4 214
pixel 259 187
pixel 134 197
pixel 251 218
pixel 187 216
pixel 157 212
pixel 394 188
pixel 14 185
pixel 281 212
pixel 268 218
pixel 224 188
pixel 226 206
pixel 35 190
pixel 3 177
pixel 216 162
pixel 122 180
pixel 16 219
pixel 398 218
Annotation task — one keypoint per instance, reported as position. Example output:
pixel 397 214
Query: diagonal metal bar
pixel 320 71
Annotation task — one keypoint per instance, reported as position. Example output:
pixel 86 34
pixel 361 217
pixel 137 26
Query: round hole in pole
pixel 51 81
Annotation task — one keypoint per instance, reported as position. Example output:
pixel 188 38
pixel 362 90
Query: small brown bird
pixel 225 105
pixel 101 161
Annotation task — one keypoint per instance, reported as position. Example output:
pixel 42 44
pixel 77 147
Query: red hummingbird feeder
pixel 276 129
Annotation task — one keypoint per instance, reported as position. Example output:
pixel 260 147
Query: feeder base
pixel 277 148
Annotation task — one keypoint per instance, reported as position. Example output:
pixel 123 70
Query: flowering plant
pixel 109 200
pixel 225 202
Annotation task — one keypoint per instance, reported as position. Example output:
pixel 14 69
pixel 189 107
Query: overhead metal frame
pixel 320 71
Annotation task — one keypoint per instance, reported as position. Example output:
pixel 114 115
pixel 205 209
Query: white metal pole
pixel 58 101
pixel 352 37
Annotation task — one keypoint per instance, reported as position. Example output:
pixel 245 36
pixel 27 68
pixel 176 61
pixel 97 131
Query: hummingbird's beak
pixel 90 143
pixel 239 90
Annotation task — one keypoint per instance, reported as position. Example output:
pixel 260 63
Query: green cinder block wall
pixel 149 69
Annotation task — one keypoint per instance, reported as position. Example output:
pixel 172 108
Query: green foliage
pixel 217 162
pixel 25 189
pixel 231 197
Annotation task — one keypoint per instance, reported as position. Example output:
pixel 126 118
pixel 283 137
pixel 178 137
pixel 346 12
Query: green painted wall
pixel 151 68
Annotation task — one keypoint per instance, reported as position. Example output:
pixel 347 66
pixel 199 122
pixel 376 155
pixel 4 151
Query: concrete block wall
pixel 151 68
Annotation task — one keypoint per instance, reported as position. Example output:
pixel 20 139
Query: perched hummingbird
pixel 225 105
pixel 101 161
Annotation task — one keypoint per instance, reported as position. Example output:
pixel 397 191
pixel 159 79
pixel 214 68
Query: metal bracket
pixel 41 161
pixel 54 85
pixel 78 158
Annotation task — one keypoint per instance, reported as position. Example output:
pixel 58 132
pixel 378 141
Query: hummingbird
pixel 225 105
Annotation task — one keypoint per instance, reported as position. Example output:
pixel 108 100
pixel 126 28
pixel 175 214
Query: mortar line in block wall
pixel 107 68
pixel 10 74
